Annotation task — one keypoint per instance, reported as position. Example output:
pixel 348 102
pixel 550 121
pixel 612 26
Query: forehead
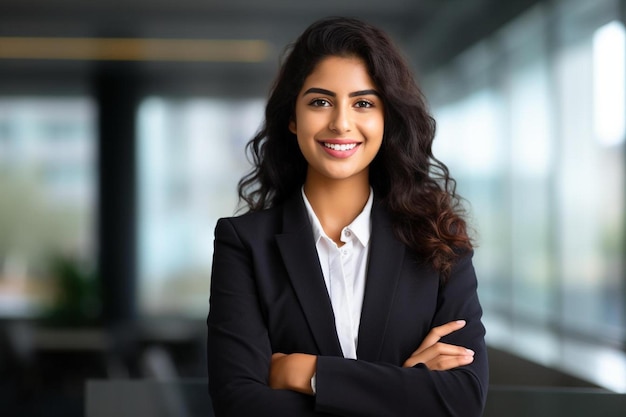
pixel 340 73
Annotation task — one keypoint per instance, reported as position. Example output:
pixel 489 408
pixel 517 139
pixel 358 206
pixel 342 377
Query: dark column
pixel 117 97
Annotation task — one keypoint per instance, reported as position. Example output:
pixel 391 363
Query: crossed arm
pixel 294 371
pixel 247 377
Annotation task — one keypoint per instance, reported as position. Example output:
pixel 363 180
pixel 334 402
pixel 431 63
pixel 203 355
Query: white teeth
pixel 342 147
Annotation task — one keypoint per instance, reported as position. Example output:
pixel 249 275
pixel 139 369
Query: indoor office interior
pixel 122 134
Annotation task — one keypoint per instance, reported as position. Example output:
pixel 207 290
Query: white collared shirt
pixel 344 270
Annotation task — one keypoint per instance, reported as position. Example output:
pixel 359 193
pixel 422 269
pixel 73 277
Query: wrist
pixel 303 372
pixel 313 383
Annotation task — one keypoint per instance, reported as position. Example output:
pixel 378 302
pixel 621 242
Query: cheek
pixel 309 125
pixel 305 144
pixel 375 127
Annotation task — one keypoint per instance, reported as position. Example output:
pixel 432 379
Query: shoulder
pixel 462 276
pixel 251 225
pixel 463 263
pixel 253 219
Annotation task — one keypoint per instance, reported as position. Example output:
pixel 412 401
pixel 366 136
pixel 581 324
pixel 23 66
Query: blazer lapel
pixel 297 248
pixel 385 261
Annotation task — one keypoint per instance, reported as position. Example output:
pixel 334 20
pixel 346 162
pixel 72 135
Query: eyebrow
pixel 315 90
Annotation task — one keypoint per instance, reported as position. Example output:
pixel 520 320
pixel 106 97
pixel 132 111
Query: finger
pixel 436 333
pixel 445 363
pixel 439 349
pixel 446 329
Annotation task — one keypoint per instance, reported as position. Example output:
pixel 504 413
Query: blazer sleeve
pixel 238 346
pixel 358 388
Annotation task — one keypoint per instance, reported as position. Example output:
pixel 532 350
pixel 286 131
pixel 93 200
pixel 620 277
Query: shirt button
pixel 348 233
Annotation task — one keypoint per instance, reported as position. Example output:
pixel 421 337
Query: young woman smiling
pixel 348 288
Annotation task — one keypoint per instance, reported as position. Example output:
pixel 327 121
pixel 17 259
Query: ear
pixel 292 126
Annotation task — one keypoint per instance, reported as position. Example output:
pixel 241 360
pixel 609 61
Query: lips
pixel 339 148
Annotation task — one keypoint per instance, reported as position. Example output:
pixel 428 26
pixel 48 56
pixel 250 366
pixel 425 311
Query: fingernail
pixel 460 322
pixel 469 352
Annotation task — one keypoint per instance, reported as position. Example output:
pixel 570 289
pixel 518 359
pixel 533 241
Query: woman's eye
pixel 363 104
pixel 319 102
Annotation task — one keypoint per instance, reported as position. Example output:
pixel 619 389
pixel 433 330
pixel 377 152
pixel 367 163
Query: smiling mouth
pixel 340 147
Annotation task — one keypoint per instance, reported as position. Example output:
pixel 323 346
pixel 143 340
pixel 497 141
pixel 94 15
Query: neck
pixel 337 203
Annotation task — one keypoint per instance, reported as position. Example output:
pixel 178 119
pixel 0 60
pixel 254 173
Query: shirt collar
pixel 361 226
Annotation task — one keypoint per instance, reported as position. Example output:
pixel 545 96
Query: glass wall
pixel 191 157
pixel 591 181
pixel 47 207
pixel 531 123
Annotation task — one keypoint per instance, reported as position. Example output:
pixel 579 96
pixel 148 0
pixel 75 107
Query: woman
pixel 348 288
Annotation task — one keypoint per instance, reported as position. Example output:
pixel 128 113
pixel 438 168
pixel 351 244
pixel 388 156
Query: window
pixel 534 135
pixel 591 190
pixel 191 157
pixel 47 207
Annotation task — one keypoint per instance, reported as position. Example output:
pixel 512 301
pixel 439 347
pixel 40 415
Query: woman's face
pixel 338 120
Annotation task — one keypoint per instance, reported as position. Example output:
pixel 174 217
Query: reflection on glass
pixel 191 155
pixel 536 142
pixel 609 83
pixel 47 179
pixel 469 142
pixel 591 205
pixel 530 181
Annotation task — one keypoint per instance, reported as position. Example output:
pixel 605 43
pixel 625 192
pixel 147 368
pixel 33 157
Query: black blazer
pixel 268 295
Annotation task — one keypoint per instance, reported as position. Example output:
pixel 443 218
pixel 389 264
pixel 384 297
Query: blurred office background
pixel 122 132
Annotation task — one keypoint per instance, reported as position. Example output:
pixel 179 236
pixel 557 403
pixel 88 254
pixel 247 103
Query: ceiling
pixel 430 31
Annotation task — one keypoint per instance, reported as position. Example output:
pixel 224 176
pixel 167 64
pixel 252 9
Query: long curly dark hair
pixel 415 187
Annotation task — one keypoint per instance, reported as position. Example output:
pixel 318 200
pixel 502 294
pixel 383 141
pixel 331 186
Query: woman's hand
pixel 292 372
pixel 438 356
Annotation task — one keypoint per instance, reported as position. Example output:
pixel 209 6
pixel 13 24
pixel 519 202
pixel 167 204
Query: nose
pixel 340 121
